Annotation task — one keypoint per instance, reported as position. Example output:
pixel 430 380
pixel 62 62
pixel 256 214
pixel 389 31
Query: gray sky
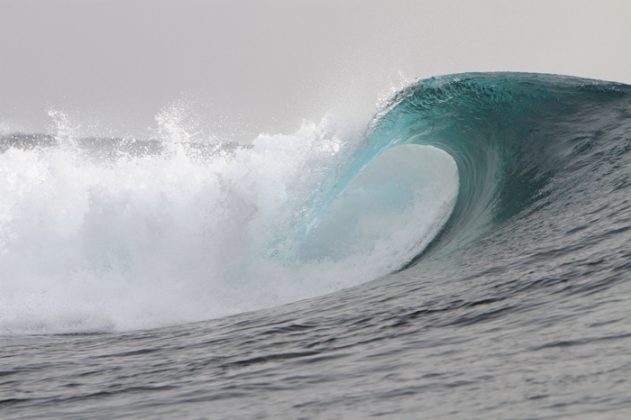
pixel 263 65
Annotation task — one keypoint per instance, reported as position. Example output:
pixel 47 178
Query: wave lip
pixel 389 211
pixel 510 134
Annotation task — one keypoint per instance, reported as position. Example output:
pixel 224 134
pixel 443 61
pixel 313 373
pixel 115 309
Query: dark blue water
pixel 519 308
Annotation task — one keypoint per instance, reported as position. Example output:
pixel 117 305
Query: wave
pixel 513 136
pixel 115 234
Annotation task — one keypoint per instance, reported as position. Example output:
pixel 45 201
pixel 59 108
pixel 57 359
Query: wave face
pixel 492 213
pixel 511 135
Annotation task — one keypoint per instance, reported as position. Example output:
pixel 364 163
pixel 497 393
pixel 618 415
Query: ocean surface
pixel 466 253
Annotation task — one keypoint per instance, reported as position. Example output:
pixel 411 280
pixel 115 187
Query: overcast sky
pixel 266 64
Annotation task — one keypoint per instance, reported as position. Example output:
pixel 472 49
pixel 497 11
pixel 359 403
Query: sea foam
pixel 190 231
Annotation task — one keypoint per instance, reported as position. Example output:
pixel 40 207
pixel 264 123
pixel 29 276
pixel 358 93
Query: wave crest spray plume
pixel 188 230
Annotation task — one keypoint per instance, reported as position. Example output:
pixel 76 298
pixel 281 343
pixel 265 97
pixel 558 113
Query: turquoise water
pixel 468 257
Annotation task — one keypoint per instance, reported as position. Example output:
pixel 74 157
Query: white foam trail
pixel 145 241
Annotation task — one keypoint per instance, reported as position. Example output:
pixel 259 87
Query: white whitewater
pixel 92 244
